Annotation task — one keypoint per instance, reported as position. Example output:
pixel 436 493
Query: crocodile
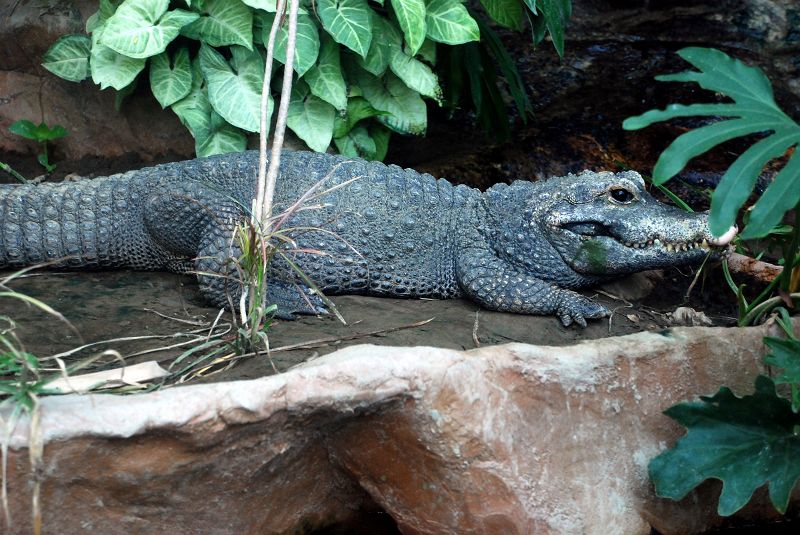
pixel 368 228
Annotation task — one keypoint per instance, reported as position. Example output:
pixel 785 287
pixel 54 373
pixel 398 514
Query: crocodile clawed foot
pixel 576 308
pixel 291 302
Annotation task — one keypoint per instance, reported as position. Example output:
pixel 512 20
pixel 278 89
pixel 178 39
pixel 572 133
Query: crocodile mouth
pixel 589 230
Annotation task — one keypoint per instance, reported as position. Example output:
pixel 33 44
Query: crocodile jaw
pixel 592 249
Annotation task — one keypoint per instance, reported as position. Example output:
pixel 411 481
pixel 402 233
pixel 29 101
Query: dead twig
pixel 475 338
pixel 321 342
pixel 763 272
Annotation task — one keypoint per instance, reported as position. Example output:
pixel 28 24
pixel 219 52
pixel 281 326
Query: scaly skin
pixel 392 232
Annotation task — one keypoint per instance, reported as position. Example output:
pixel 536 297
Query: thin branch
pixel 258 201
pixel 280 124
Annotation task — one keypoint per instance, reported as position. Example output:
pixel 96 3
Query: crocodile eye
pixel 621 195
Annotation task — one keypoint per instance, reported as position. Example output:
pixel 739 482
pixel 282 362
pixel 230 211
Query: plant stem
pixel 11 171
pixel 46 160
pixel 258 202
pixel 283 112
pixel 759 310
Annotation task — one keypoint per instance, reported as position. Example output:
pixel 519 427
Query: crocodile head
pixel 607 224
pixel 596 226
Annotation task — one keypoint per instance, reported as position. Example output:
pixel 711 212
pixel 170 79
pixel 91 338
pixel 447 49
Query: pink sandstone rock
pixel 507 439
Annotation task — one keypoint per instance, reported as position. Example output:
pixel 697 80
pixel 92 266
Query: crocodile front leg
pixel 496 285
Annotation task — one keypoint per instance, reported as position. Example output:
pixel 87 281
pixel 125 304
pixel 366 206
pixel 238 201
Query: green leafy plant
pixel 205 61
pixel 752 111
pixel 745 442
pixel 41 133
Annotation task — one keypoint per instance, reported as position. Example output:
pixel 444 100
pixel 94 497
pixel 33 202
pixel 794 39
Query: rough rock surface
pixel 508 439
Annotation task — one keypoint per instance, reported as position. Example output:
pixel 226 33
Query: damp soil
pixel 110 305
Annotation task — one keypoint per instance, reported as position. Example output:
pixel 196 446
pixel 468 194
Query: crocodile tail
pixel 63 225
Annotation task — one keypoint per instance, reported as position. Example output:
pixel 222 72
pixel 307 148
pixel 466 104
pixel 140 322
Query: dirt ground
pixel 116 304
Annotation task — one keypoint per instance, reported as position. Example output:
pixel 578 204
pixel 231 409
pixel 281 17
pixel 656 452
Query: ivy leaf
pixel 380 134
pixel 357 143
pixel 110 68
pixel 406 110
pixel 98 18
pixel 212 134
pixel 325 79
pixel 449 22
pixel 556 14
pixel 428 51
pixel 68 58
pixel 385 36
pixel 786 354
pixel 306 45
pixel 415 74
pixel 753 110
pixel 744 442
pixel 310 117
pixel 358 109
pixel 411 17
pixel 224 22
pixel 349 23
pixel 144 28
pixel 235 90
pixel 507 13
pixel 170 83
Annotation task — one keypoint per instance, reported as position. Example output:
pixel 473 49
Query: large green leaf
pixel 385 37
pixel 235 89
pixel 411 17
pixel 357 143
pixel 310 117
pixel 368 142
pixel 68 58
pixel 144 28
pixel 753 110
pixel 306 45
pixel 506 12
pixel 325 79
pixel 556 14
pixel 406 110
pixel 782 195
pixel 212 134
pixel 415 74
pixel 349 22
pixel 110 68
pixel 358 109
pixel 449 22
pixel 427 51
pixel 105 11
pixel 224 22
pixel 744 442
pixel 171 82
pixel 786 354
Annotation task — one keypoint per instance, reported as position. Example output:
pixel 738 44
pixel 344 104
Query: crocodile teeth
pixel 704 244
pixel 656 242
pixel 670 248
